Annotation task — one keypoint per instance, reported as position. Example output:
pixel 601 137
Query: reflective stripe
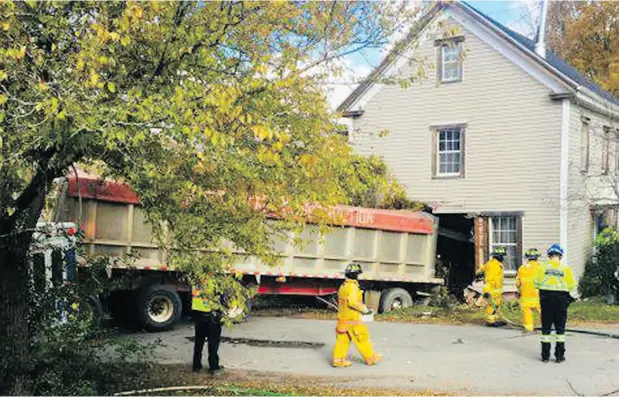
pixel 546 338
pixel 560 338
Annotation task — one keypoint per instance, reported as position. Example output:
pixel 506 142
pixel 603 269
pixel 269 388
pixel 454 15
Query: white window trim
pixel 491 242
pixel 457 62
pixel 440 174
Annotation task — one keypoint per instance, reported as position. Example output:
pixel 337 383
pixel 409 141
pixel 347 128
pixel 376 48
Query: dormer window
pixel 450 59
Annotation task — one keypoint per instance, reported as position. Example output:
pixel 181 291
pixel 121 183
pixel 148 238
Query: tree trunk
pixel 14 298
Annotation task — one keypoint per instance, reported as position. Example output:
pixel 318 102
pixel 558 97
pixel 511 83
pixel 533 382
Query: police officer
pixel 492 272
pixel 207 326
pixel 555 281
pixel 349 325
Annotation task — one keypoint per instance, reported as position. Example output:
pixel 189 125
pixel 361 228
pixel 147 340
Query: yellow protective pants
pixel 360 335
pixel 527 317
pixel 492 312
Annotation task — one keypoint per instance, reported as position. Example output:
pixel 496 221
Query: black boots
pixel 560 352
pixel 545 352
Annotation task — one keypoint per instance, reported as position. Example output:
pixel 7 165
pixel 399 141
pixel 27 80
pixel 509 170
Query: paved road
pixel 459 359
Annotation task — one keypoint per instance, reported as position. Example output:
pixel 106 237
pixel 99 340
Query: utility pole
pixel 540 45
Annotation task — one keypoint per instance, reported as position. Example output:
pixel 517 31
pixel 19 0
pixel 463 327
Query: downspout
pixel 564 178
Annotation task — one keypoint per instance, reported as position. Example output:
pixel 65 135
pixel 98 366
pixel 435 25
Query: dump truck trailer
pixel 396 249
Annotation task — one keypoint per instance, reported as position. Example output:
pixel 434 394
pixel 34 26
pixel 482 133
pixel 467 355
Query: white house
pixel 506 142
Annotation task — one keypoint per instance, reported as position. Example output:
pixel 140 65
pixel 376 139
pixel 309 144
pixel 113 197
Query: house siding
pixel 588 187
pixel 512 153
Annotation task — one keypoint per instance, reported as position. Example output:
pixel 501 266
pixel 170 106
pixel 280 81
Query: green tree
pixel 213 112
pixel 586 34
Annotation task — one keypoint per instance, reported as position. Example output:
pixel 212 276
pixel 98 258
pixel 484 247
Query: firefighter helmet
pixel 353 269
pixel 499 252
pixel 555 249
pixel 532 254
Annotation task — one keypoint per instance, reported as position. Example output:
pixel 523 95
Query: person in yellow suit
pixel 492 272
pixel 349 325
pixel 529 295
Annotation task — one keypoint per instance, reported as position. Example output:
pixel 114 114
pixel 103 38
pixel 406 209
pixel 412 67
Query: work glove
pixel 479 276
pixel 486 295
pixel 367 311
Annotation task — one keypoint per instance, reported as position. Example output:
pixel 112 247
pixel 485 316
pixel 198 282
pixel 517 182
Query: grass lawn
pixel 249 383
pixel 592 311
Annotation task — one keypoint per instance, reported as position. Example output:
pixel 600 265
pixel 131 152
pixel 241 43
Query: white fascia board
pixel 564 177
pixel 588 99
pixel 525 63
pixel 396 66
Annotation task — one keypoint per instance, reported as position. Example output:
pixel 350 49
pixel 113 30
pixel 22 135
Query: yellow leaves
pixel 125 41
pixel 111 87
pixel 43 86
pixel 103 60
pixel 114 36
pixel 308 162
pixel 54 104
pixel 6 26
pixel 53 47
pixel 3 99
pixel 80 64
pixel 262 132
pixel 94 78
pixel 62 115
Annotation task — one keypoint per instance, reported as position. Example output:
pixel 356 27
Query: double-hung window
pixel 448 151
pixel 504 233
pixel 450 59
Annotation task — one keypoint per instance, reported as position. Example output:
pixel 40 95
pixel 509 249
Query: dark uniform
pixel 555 281
pixel 208 326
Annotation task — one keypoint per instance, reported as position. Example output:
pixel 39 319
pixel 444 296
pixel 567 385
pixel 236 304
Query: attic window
pixel 450 59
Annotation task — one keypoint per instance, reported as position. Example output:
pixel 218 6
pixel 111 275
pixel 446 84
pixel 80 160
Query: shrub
pixel 600 278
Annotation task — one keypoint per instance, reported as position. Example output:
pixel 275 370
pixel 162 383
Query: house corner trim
pixel 564 177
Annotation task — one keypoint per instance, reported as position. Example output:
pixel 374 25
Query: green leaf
pixel 111 87
pixel 3 99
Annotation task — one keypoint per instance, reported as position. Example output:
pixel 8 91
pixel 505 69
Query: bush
pixel 600 278
pixel 69 354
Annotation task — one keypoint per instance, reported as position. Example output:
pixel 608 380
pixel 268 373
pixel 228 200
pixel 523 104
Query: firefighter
pixel 207 326
pixel 555 281
pixel 492 272
pixel 529 295
pixel 349 325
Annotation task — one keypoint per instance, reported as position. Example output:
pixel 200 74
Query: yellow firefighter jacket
pixel 555 276
pixel 529 295
pixel 493 277
pixel 350 303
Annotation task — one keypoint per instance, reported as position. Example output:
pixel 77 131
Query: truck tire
pixel 159 308
pixel 395 298
pixel 92 309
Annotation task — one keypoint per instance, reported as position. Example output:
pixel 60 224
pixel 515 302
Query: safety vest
pixel 199 302
pixel 555 276
pixel 529 295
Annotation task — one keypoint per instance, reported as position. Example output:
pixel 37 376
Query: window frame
pixel 436 152
pixel 585 147
pixel 452 42
pixel 605 166
pixel 518 244
pixel 616 140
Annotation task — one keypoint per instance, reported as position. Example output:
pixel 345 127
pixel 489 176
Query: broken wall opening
pixel 456 251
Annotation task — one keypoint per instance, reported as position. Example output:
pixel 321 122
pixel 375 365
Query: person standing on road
pixel 492 272
pixel 529 295
pixel 555 281
pixel 207 326
pixel 349 325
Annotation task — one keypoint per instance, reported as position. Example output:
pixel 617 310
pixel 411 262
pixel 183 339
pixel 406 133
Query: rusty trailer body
pixel 396 250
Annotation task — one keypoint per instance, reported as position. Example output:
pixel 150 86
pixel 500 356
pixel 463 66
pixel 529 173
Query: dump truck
pixel 396 249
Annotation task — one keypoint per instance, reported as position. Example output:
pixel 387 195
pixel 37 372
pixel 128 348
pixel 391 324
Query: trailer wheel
pixel 160 308
pixel 395 298
pixel 92 309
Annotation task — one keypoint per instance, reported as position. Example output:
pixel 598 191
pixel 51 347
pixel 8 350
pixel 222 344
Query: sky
pixel 519 15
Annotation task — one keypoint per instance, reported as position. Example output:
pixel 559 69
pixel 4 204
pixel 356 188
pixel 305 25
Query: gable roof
pixel 554 60
pixel 557 65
